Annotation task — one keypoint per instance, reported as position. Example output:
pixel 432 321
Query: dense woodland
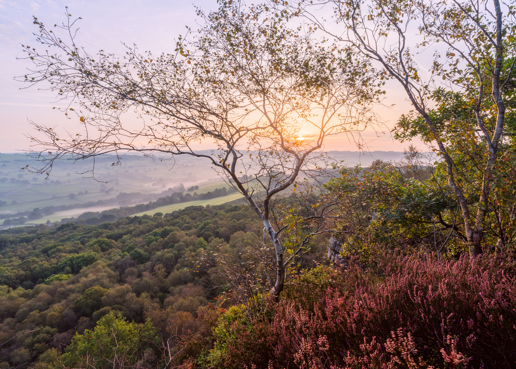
pixel 59 281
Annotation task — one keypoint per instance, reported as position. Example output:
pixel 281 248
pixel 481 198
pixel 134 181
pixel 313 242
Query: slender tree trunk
pixel 475 242
pixel 474 235
pixel 280 277
pixel 477 234
pixel 279 283
pixel 499 246
pixel 492 143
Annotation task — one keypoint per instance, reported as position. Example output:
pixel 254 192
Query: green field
pixel 174 207
pixel 71 185
pixel 203 188
pixel 60 215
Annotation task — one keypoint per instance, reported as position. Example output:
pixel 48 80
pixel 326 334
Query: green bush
pixel 113 339
pixel 57 277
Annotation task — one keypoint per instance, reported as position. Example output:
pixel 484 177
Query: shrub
pixel 75 263
pixel 437 313
pixel 113 343
pixel 233 335
pixel 139 256
pixel 90 301
pixel 57 277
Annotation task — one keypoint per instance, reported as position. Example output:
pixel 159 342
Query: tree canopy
pixel 463 102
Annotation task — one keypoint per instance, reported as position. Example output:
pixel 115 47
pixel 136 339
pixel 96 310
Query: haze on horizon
pixel 153 26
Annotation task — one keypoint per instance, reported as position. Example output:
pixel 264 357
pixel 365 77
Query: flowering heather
pixel 409 313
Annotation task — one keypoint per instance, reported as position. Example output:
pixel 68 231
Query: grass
pixel 137 174
pixel 170 208
pixel 203 188
pixel 60 215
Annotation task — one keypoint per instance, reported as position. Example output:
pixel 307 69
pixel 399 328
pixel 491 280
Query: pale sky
pixel 152 25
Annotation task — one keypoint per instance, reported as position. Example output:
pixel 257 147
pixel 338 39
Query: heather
pixel 407 312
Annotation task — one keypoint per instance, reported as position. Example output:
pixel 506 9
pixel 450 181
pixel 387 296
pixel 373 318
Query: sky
pixel 152 25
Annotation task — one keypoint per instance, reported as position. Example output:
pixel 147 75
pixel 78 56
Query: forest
pixel 407 263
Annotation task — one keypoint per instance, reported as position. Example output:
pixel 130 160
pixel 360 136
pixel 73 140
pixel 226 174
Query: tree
pixel 404 206
pixel 474 64
pixel 265 95
pixel 114 343
pixel 90 301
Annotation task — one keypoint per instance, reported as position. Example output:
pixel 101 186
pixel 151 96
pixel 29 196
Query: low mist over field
pixel 79 185
pixel 74 188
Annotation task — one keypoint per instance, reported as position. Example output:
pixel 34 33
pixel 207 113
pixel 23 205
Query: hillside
pixel 56 281
pixel 175 290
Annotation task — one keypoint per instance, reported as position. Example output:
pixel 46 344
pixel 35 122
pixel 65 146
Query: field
pixel 174 207
pixel 75 188
pixel 203 188
pixel 74 185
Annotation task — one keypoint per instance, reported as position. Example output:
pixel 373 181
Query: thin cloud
pixel 30 105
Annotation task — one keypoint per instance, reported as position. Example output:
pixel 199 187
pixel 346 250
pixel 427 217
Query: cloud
pixel 30 105
pixel 34 6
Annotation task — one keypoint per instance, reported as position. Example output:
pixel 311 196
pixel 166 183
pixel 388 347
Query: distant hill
pixel 365 158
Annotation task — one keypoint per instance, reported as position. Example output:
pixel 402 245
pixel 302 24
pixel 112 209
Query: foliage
pixel 41 309
pixel 73 264
pixel 405 206
pixel 455 120
pixel 410 313
pixel 231 325
pixel 57 277
pixel 113 343
pixel 90 301
pixel 408 206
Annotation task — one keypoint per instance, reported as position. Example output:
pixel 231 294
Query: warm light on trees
pixel 246 83
pixel 463 102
